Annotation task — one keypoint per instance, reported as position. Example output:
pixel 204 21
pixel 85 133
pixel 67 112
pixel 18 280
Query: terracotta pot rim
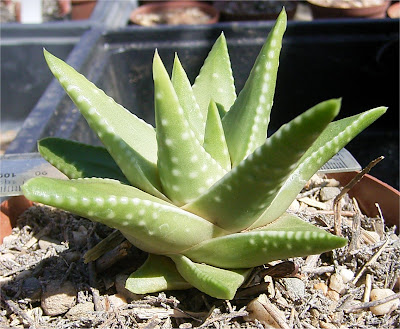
pixel 394 10
pixel 160 6
pixel 320 11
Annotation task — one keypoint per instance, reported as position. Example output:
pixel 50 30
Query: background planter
pixel 353 59
pixel 82 9
pixel 173 13
pixel 320 11
pixel 23 84
pixel 371 191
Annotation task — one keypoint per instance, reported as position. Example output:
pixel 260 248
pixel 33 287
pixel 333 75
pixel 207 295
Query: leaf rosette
pixel 205 192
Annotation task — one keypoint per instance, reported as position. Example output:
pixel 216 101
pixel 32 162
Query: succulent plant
pixel 205 193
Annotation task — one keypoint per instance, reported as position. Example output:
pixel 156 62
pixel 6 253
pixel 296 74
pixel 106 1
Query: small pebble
pixel 258 312
pixel 58 298
pixel 321 286
pixel 294 206
pixel 328 193
pixel 327 325
pixel 386 308
pixel 333 295
pixel 116 301
pixel 346 274
pixel 336 283
pixel 46 242
pixel 7 257
pixel 79 311
pixel 295 287
pixel 370 237
pixel 80 238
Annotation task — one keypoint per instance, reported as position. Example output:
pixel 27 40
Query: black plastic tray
pixel 353 59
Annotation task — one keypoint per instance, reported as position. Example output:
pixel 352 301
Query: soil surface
pixel 46 283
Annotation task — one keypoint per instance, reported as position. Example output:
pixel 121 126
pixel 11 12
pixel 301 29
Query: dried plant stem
pixel 271 309
pixel 105 245
pixel 368 286
pixel 371 261
pixel 356 227
pixel 225 317
pixel 374 303
pixel 14 308
pixel 347 188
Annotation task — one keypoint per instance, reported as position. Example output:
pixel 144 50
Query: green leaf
pixel 187 100
pixel 214 281
pixel 240 197
pixel 149 223
pixel 288 236
pixel 129 140
pixel 246 123
pixel 78 160
pixel 215 80
pixel 158 273
pixel 186 169
pixel 214 140
pixel 333 139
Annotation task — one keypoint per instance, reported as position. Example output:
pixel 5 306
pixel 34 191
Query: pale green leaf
pixel 187 100
pixel 214 139
pixel 214 281
pixel 246 123
pixel 78 160
pixel 128 139
pixel 240 197
pixel 158 273
pixel 215 80
pixel 151 224
pixel 333 139
pixel 186 169
pixel 288 236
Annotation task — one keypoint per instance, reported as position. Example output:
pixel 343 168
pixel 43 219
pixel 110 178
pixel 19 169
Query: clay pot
pixel 172 13
pixel 320 11
pixel 394 10
pixel 370 191
pixel 10 210
pixel 82 9
pixel 254 10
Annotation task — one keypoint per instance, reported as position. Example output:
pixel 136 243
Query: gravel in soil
pixel 46 284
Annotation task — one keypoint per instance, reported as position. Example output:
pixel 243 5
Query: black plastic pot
pixel 24 73
pixel 356 60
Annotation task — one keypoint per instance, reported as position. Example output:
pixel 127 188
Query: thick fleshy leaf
pixel 158 273
pixel 333 139
pixel 214 138
pixel 239 198
pixel 128 139
pixel 186 169
pixel 214 281
pixel 187 100
pixel 288 236
pixel 215 80
pixel 246 123
pixel 151 224
pixel 78 160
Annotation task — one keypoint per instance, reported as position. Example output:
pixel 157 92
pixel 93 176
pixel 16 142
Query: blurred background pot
pixel 82 9
pixel 372 193
pixel 174 13
pixel 254 10
pixel 10 210
pixel 347 9
pixel 394 10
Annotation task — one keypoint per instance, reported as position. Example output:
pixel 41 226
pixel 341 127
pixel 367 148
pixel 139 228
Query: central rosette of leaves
pixel 205 193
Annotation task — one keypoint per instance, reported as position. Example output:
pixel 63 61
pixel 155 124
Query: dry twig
pixel 347 188
pixel 372 304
